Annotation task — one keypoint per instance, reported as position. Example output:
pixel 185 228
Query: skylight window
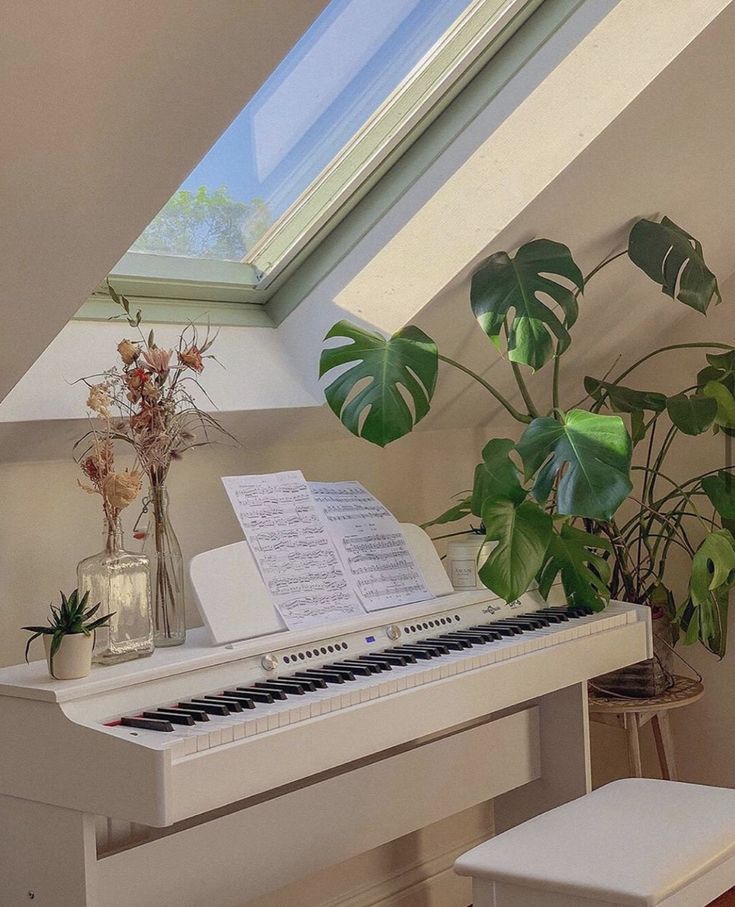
pixel 362 83
pixel 325 89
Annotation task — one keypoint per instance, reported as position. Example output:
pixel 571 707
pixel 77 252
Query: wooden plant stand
pixel 632 714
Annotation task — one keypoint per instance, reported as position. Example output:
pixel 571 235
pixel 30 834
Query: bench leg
pixel 634 744
pixel 664 745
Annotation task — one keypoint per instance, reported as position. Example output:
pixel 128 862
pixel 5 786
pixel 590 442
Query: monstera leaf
pixel 720 369
pixel 522 532
pixel 673 259
pixel 720 489
pixel 588 454
pixel 369 396
pixel 497 476
pixel 712 578
pixel 692 415
pixel 571 554
pixel 504 283
pixel 624 399
pixel 725 415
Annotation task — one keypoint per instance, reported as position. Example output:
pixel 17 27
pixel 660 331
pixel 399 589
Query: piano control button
pixel 269 662
pixel 392 631
pixel 171 715
pixel 148 724
pixel 232 704
pixel 255 694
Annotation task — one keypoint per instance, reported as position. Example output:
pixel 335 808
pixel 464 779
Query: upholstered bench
pixel 638 842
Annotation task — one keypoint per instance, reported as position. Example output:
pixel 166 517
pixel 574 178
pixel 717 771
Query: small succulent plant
pixel 72 616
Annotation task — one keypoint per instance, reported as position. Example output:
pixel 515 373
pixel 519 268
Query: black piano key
pixel 346 673
pixel 362 669
pixel 481 636
pixel 393 659
pixel 551 616
pixel 385 663
pixel 434 650
pixel 196 713
pixel 170 715
pixel 148 724
pixel 422 654
pixel 213 708
pixel 275 691
pixel 316 683
pixel 371 666
pixel 396 650
pixel 559 614
pixel 514 625
pixel 253 693
pixel 232 704
pixel 326 676
pixel 502 629
pixel 455 644
pixel 289 687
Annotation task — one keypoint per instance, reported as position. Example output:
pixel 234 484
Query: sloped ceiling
pixel 107 106
pixel 669 152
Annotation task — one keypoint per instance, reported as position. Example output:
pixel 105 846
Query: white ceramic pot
pixel 74 657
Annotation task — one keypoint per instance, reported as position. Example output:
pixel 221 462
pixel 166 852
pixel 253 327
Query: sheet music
pixel 296 556
pixel 373 549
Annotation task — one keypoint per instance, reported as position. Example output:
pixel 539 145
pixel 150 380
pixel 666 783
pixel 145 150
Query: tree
pixel 205 224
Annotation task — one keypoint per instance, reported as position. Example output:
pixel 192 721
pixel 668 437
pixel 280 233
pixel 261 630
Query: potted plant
pixel 565 501
pixel 69 636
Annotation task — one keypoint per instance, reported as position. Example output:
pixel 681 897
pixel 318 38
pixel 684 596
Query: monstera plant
pixel 563 501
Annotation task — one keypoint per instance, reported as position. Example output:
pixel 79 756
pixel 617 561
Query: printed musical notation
pixel 291 544
pixel 372 547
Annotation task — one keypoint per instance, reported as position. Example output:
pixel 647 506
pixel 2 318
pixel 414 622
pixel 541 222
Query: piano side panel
pixel 90 771
pixel 268 845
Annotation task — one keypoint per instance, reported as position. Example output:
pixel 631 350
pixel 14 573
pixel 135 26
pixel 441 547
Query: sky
pixel 333 79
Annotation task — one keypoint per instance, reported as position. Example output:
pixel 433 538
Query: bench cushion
pixel 636 841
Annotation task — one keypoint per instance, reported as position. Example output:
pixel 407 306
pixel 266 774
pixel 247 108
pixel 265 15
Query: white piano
pixel 253 756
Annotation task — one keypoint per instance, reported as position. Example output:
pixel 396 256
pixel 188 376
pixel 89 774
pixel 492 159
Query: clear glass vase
pixel 120 581
pixel 167 571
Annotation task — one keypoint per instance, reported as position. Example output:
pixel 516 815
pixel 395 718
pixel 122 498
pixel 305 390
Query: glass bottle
pixel 167 571
pixel 120 581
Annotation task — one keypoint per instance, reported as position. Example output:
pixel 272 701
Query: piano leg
pixel 565 759
pixel 47 855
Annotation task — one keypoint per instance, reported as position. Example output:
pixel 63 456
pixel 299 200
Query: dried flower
pixel 99 400
pixel 121 488
pixel 192 358
pixel 157 359
pixel 151 392
pixel 129 351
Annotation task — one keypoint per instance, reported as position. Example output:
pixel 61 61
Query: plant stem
pixel 527 399
pixel 673 346
pixel 506 404
pixel 555 381
pixel 604 263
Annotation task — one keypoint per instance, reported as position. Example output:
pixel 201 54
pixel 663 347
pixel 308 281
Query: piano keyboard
pixel 203 719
